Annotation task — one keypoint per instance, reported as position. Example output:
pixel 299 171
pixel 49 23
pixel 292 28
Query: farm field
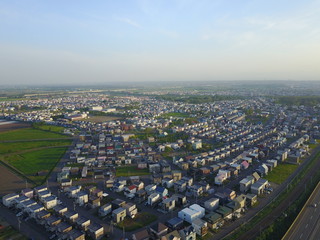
pixel 128 171
pixel 10 182
pixel 30 163
pixel 281 173
pixel 12 147
pixel 28 134
pixel 32 153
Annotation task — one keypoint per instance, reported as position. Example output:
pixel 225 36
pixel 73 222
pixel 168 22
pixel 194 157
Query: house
pixel 241 200
pixel 105 210
pixel 130 191
pixel 63 227
pixel 161 191
pixel 32 210
pixel 150 188
pixel 214 220
pixel 95 230
pixel 180 199
pixel 158 230
pixel 156 178
pixel 200 226
pixel 60 209
pixel 94 201
pixel 211 204
pixel 50 201
pixel 83 223
pixel 117 203
pixel 188 180
pixel 131 209
pixel 82 198
pixel 9 199
pixel 180 186
pixel 141 235
pixel 188 233
pixel 172 236
pixel 53 221
pixel 251 199
pixel 75 234
pixel 153 198
pixel 42 215
pixel 39 189
pixel 225 212
pixel 195 190
pixel 246 183
pixel 72 191
pixel 109 183
pixel 119 214
pixel 176 175
pixel 28 192
pixel 191 213
pixel 259 186
pixel 168 204
pixel 140 196
pixel 43 194
pixel 167 182
pixel 175 223
pixel 118 187
pixel 71 216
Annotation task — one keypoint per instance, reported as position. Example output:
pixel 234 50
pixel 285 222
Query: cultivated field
pixel 33 162
pixel 32 153
pixel 28 134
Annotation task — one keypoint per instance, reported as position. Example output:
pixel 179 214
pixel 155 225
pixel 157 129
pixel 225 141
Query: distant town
pixel 170 163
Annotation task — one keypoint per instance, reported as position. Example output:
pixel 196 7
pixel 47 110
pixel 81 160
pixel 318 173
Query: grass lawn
pixel 128 171
pixel 281 173
pixel 314 145
pixel 21 146
pixel 140 221
pixel 28 134
pixel 11 233
pixel 35 161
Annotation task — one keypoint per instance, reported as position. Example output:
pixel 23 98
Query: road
pixel 307 223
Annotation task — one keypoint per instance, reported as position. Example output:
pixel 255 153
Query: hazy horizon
pixel 80 42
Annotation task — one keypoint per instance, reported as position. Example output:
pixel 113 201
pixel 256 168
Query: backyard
pixel 141 220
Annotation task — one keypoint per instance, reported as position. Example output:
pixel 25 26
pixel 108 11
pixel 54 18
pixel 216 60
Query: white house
pixel 191 213
pixel 8 200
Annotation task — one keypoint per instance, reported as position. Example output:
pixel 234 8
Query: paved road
pixel 307 224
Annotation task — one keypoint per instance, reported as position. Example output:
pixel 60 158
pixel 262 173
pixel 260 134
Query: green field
pixel 6 148
pixel 280 173
pixel 39 160
pixel 174 114
pixel 28 134
pixel 141 220
pixel 50 128
pixel 128 171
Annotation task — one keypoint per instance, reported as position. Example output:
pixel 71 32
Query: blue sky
pixel 54 42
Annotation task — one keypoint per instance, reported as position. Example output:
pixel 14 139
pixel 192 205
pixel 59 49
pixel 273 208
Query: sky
pixel 75 41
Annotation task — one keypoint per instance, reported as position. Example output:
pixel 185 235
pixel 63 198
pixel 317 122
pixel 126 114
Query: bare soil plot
pixel 10 182
pixel 13 126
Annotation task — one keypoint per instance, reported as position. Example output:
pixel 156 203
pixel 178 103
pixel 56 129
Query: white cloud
pixel 130 22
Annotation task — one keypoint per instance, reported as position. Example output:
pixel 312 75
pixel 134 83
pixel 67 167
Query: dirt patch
pixel 9 182
pixel 13 126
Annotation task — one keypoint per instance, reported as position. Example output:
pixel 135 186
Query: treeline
pixel 299 100
pixel 198 98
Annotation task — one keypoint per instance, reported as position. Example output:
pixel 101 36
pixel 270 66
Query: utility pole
pixel 19 223
pixel 26 184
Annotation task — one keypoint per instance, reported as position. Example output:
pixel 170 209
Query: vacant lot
pixel 280 173
pixel 128 171
pixel 28 134
pixel 30 163
pixel 141 220
pixel 10 233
